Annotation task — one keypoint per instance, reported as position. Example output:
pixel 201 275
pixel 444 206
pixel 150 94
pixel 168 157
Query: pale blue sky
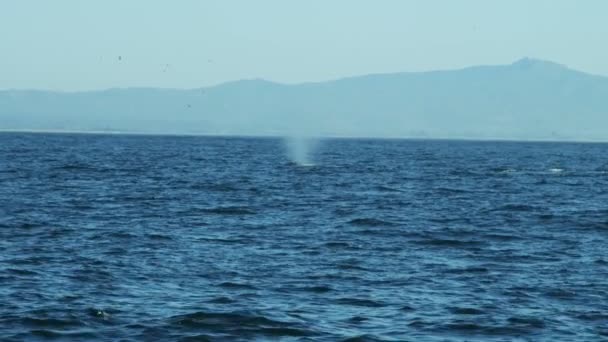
pixel 75 44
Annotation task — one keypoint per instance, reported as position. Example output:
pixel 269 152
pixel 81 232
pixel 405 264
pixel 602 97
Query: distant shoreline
pixel 281 136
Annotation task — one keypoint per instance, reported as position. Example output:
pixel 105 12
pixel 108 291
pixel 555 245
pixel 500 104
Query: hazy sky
pixel 93 44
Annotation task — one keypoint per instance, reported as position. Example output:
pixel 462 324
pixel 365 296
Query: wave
pixel 466 311
pixel 448 191
pixel 218 187
pixel 61 335
pixel 21 272
pixel 237 286
pixel 450 243
pixel 370 222
pixel 514 327
pixel 502 237
pixel 315 289
pixel 53 323
pixel 159 236
pixel 221 300
pixel 368 303
pixel 465 270
pixel 516 208
pixel 239 324
pixel 230 211
pixel 383 188
pixel 74 167
pixel 363 338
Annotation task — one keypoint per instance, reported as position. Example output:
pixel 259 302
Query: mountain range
pixel 528 99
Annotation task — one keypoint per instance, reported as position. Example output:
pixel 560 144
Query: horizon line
pixel 320 137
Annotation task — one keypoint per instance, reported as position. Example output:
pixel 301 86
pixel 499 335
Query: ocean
pixel 177 238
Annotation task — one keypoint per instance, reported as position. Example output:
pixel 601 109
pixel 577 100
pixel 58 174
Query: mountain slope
pixel 529 99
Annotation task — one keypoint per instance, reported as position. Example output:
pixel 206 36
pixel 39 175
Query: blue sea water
pixel 120 238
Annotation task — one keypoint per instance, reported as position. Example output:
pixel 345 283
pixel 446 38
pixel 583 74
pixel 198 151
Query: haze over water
pixel 116 237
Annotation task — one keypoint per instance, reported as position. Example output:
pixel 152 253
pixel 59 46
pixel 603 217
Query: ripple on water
pixel 370 222
pixel 364 338
pixel 231 210
pixel 239 324
pixel 119 238
pixel 237 286
pixel 368 303
pixel 466 311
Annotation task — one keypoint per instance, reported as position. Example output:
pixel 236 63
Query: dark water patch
pixel 32 225
pixel 357 319
pixel 600 226
pixel 464 270
pixel 466 311
pixel 344 212
pixel 351 266
pixel 75 167
pixel 462 173
pixel 450 243
pixel 338 245
pixel 198 338
pixel 51 323
pixel 383 188
pixel 419 324
pixel 363 338
pixel 218 187
pixel 32 260
pixel 593 316
pixel 516 208
pixel 370 222
pixel 21 272
pixel 527 322
pixel 47 334
pixel 159 237
pixel 407 308
pixel 558 293
pixel 284 332
pixel 515 327
pixel 546 217
pixel 50 334
pixel 465 327
pixel 70 298
pixel 239 324
pixel 237 286
pixel 451 220
pixel 314 289
pixel 117 235
pixel 91 274
pixel 230 211
pixel 601 262
pixel 222 300
pixel 384 232
pixel 59 232
pixel 368 303
pixel 502 237
pixel 224 241
pixel 449 191
pixel 117 251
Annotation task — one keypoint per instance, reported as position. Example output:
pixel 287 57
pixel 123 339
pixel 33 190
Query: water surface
pixel 117 237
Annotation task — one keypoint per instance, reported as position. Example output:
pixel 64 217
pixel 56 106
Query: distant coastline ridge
pixel 529 99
